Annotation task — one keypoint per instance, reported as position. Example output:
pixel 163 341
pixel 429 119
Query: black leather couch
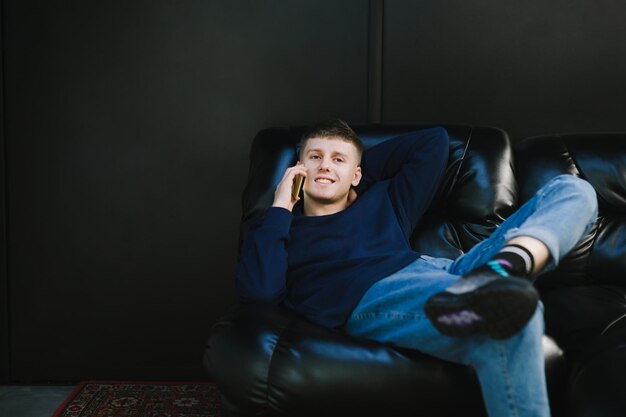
pixel 585 297
pixel 269 362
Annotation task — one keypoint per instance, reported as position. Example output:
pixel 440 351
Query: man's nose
pixel 324 164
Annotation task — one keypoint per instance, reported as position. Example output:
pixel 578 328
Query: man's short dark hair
pixel 332 128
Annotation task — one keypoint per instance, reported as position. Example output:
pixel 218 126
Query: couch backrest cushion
pixel 478 191
pixel 600 158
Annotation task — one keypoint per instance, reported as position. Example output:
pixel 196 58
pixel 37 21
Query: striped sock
pixel 512 260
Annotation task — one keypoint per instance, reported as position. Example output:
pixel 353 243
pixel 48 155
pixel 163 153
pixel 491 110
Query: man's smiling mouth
pixel 324 181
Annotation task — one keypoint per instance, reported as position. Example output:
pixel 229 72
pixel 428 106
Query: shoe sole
pixel 500 309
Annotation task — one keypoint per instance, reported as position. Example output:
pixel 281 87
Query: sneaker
pixel 486 301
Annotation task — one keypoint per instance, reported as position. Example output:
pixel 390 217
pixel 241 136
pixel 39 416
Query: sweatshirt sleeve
pixel 262 271
pixel 414 163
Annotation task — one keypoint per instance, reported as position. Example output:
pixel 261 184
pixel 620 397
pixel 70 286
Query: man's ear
pixel 357 176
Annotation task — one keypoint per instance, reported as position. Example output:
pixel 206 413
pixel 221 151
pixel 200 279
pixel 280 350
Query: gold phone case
pixel 297 186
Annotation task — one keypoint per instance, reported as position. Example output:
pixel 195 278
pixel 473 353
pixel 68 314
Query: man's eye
pixel 315 157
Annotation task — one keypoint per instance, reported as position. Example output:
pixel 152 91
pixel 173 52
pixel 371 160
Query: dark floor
pixel 32 400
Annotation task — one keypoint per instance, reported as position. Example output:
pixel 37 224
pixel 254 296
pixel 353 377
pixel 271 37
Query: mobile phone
pixel 297 186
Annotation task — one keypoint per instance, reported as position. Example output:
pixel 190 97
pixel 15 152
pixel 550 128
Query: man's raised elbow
pixel 442 137
pixel 440 143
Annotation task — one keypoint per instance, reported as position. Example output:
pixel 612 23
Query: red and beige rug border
pixel 82 384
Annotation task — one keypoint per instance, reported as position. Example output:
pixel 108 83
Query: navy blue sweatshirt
pixel 321 266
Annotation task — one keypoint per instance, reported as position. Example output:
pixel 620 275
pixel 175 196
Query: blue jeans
pixel 511 371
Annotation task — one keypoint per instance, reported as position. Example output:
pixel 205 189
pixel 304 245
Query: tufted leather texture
pixel 585 298
pixel 267 361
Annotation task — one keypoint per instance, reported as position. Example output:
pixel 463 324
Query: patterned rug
pixel 142 399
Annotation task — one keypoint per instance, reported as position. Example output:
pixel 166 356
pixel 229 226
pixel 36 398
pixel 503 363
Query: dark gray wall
pixel 128 130
pixel 128 125
pixel 530 67
pixel 4 282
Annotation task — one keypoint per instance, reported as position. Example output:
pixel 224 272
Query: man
pixel 340 257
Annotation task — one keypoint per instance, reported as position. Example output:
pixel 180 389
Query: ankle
pixel 514 260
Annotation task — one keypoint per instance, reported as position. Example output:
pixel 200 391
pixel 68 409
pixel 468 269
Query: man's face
pixel 333 167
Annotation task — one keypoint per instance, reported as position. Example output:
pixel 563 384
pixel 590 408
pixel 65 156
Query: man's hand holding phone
pixel 288 189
